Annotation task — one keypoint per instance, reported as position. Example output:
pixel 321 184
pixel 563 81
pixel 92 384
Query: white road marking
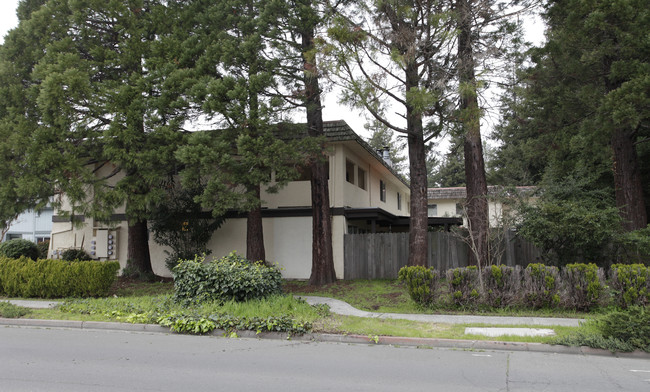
pixel 640 371
pixel 481 355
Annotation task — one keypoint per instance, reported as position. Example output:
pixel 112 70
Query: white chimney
pixel 386 156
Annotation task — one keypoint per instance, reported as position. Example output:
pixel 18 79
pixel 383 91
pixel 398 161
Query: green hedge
pixel 56 278
pixel 575 286
pixel 229 278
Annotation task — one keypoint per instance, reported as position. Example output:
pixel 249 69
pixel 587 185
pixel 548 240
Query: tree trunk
pixel 138 248
pixel 255 233
pixel 322 264
pixel 418 221
pixel 627 180
pixel 477 204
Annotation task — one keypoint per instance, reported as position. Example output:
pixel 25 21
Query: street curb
pixel 333 338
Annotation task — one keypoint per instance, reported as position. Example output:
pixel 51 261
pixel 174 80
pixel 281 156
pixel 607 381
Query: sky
pixel 331 109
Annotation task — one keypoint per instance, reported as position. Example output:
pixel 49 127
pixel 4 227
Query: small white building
pixel 449 202
pixel 366 195
pixel 35 226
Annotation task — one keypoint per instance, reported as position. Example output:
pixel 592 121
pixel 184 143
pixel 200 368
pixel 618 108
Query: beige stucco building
pixel 366 195
pixel 449 202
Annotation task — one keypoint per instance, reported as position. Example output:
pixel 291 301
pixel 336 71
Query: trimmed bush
pixel 501 285
pixel 56 278
pixel 631 326
pixel 75 255
pixel 630 284
pixel 229 278
pixel 17 248
pixel 43 247
pixel 541 286
pixel 422 283
pixel 464 286
pixel 584 286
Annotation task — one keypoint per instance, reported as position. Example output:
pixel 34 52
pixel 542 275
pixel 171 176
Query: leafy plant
pixel 464 286
pixel 501 285
pixel 631 326
pixel 180 223
pixel 17 248
pixel 229 278
pixel 422 283
pixel 9 310
pixel 584 286
pixel 75 255
pixel 541 286
pixel 43 247
pixel 630 284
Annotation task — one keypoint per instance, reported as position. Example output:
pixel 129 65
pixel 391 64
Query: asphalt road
pixel 34 359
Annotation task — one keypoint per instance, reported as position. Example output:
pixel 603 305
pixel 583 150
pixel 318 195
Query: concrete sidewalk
pixel 343 308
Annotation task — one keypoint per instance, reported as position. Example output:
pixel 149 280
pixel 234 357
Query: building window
pixel 362 178
pixel 459 210
pixel 42 239
pixel 432 210
pixel 382 191
pixel 349 172
pixel 399 201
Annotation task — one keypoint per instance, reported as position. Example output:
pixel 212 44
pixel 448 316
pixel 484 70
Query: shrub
pixel 229 278
pixel 464 287
pixel 75 255
pixel 630 284
pixel 56 278
pixel 43 247
pixel 8 310
pixel 541 286
pixel 17 248
pixel 501 285
pixel 422 283
pixel 584 286
pixel 631 326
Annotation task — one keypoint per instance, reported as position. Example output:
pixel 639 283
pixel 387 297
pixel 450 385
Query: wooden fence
pixel 381 255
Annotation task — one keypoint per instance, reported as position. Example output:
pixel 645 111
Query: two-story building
pixel 366 195
pixel 449 202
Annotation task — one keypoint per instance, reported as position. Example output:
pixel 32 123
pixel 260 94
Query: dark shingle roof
pixel 461 192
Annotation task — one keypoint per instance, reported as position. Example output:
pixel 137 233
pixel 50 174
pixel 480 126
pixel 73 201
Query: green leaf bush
pixel 422 283
pixel 630 284
pixel 584 286
pixel 230 278
pixel 25 278
pixel 17 248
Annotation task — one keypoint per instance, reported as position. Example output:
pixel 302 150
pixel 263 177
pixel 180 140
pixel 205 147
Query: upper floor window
pixel 382 191
pixel 361 174
pixel 399 201
pixel 432 210
pixel 349 172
